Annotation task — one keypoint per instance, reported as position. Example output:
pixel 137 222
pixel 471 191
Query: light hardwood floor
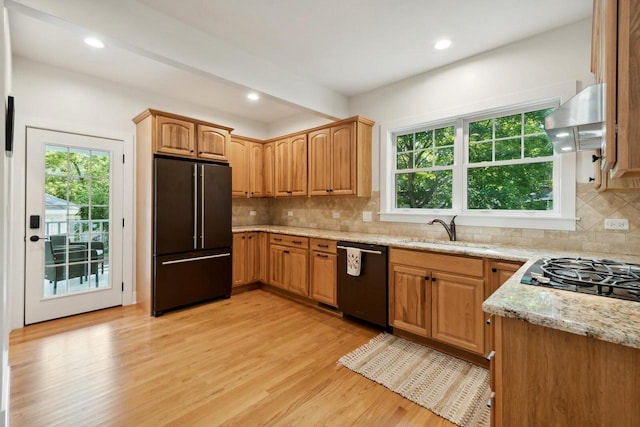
pixel 255 359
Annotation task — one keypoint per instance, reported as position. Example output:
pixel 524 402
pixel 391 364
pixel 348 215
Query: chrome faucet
pixel 451 228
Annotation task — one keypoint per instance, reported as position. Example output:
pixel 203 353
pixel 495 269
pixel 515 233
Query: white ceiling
pixel 341 47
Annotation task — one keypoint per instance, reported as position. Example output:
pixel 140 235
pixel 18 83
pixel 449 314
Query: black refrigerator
pixel 192 233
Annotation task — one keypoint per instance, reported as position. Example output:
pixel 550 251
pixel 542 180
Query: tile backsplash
pixel 345 214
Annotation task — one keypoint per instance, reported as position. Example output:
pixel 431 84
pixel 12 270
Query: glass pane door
pixel 76 220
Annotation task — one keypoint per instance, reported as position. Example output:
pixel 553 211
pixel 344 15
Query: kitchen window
pixel 492 168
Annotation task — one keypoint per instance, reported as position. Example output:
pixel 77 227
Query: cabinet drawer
pixel 435 261
pixel 324 245
pixel 287 240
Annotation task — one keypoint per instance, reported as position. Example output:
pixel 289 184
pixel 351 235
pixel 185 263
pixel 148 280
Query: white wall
pixel 550 58
pixel 5 87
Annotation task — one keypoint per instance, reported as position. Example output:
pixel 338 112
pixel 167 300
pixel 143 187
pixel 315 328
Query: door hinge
pixel 122 286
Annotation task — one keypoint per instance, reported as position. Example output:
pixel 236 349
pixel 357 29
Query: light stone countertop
pixel 607 319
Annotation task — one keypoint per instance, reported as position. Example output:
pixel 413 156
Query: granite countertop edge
pixel 606 319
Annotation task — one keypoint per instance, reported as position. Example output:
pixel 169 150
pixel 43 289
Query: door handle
pixel 36 238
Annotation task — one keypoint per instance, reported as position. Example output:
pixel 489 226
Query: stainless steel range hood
pixel 578 124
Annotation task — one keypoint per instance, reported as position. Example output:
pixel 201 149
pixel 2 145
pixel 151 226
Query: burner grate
pixel 599 277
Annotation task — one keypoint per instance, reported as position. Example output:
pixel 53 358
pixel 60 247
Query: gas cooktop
pixel 602 277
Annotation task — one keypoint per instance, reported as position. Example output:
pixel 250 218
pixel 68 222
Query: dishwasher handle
pixel 366 251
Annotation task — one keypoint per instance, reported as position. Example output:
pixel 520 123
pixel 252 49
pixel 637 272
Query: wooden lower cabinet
pixel 547 377
pixel 457 316
pixel 323 271
pixel 248 257
pixel 289 263
pixel 438 296
pixel 410 299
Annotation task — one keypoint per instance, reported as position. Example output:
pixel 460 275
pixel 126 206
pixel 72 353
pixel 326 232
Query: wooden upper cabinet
pixel 332 161
pixel 256 171
pixel 320 162
pixel 291 166
pixel 268 169
pixel 238 154
pixel 175 137
pixel 614 52
pixel 340 159
pixel 246 161
pixel 212 143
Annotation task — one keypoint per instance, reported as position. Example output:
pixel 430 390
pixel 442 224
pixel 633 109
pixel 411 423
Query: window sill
pixel 537 221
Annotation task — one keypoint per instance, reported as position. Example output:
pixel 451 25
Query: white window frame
pixel 562 217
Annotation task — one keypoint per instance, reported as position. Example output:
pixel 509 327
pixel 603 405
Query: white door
pixel 73 224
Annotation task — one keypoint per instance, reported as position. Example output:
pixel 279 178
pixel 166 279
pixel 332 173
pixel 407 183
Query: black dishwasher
pixel 364 296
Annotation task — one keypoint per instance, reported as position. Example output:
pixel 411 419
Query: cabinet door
pixel 343 159
pixel 457 316
pixel 319 163
pixel 256 174
pixel 264 257
pixel 253 257
pixel 268 170
pixel 277 266
pixel 239 258
pixel 501 271
pixel 238 160
pixel 282 168
pixel 410 299
pixel 212 143
pixel 298 166
pixel 175 137
pixel 324 273
pixel 297 269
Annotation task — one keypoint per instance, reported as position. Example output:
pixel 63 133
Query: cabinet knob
pixel 199 152
pixel 252 193
pixel 433 279
pixel 591 179
pixel 242 237
pixel 488 322
pixel 327 190
pixel 595 158
pixel 191 151
pixel 494 270
pixel 285 252
pixel 250 237
pixel 490 356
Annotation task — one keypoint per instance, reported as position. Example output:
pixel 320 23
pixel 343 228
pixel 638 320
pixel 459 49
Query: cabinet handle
pixel 277 239
pixel 490 356
pixel 331 191
pixel 322 256
pixel 595 158
pixel 200 152
pixel 433 279
pixel 494 270
pixel 296 242
pixel 251 237
pixel 489 403
pixel 242 237
pixel 327 190
pixel 591 179
pixel 285 252
pixel 322 246
pixel 427 278
pixel 493 394
pixel 488 322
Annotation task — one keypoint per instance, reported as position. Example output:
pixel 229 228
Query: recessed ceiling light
pixel 442 44
pixel 253 96
pixel 94 42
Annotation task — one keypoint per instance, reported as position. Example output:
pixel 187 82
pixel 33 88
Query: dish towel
pixel 354 260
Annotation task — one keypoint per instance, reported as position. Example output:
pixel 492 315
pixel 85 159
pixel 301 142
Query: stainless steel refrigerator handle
pixel 195 206
pixel 367 251
pixel 202 207
pixel 200 258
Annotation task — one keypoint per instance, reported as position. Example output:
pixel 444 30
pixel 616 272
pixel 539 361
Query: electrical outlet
pixel 366 216
pixel 336 215
pixel 252 213
pixel 289 213
pixel 616 224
